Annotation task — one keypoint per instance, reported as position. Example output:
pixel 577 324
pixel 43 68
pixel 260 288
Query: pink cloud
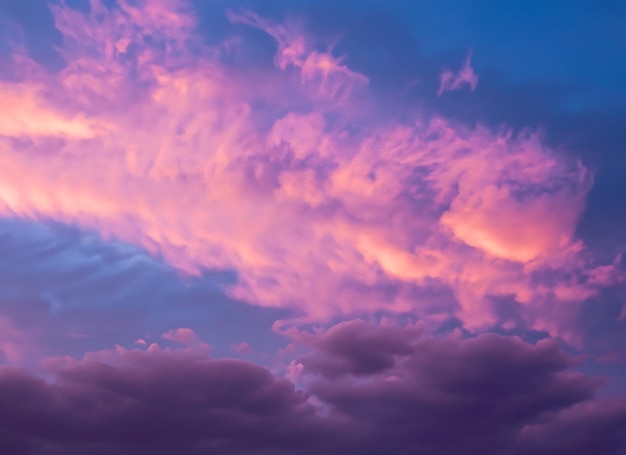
pixel 333 79
pixel 293 46
pixel 25 115
pixel 241 348
pixel 183 336
pixel 173 150
pixel 448 81
pixel 15 343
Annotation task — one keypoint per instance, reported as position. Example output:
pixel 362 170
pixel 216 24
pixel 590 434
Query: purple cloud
pixel 153 401
pixel 355 348
pixel 486 395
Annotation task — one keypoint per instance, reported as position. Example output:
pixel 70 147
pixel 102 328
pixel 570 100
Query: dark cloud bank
pixel 362 390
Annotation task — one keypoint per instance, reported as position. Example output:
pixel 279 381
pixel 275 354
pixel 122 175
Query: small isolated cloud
pixel 184 336
pixel 241 348
pixel 449 81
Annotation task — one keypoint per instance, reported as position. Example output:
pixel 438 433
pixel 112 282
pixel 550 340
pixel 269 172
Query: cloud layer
pixel 287 174
pixel 466 76
pixel 485 395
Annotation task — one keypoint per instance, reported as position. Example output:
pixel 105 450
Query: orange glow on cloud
pixel 24 115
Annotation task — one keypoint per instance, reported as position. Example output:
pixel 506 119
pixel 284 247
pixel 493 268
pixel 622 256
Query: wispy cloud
pixel 449 81
pixel 196 164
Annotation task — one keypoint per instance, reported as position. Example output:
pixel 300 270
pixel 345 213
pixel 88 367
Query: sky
pixel 315 227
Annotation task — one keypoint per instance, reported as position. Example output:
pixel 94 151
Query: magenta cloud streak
pixel 448 81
